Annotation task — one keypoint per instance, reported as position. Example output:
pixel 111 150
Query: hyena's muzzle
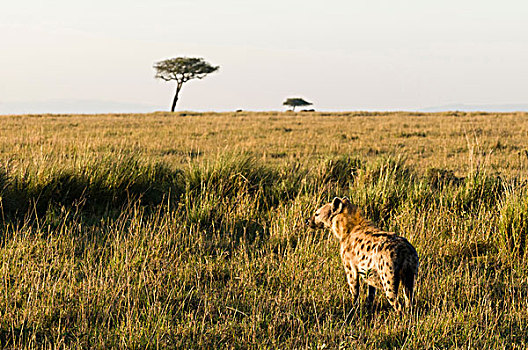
pixel 310 222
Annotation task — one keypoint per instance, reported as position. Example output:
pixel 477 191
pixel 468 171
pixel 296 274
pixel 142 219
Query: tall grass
pixel 513 223
pixel 136 252
pixel 100 185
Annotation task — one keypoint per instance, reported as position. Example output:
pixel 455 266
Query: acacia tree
pixel 182 69
pixel 294 102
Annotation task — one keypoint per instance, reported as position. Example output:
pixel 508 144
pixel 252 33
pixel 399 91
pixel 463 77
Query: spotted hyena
pixel 381 259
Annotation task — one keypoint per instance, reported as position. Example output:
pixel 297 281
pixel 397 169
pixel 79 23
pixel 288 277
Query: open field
pixel 187 230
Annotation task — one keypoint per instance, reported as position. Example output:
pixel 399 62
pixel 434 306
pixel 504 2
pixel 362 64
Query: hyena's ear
pixel 337 205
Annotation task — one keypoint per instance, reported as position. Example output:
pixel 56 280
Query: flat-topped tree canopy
pixel 296 101
pixel 182 69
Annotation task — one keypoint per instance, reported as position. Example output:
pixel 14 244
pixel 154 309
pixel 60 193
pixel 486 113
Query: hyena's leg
pixel 370 296
pixel 390 282
pixel 353 283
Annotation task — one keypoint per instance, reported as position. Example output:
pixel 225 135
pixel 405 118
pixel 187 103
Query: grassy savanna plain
pixel 187 230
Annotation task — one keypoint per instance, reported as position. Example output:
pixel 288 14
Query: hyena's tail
pixel 408 274
pixel 411 262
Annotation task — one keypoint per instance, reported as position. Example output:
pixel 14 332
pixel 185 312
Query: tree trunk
pixel 178 88
pixel 293 108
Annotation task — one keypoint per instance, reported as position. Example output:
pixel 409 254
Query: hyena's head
pixel 324 215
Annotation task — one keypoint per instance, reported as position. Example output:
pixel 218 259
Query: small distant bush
pixel 412 134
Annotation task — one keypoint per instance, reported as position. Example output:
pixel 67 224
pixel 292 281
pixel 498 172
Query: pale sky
pixel 341 55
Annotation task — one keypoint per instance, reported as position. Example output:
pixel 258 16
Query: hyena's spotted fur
pixel 381 259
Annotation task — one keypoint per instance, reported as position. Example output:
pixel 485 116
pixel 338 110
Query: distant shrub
pixel 412 134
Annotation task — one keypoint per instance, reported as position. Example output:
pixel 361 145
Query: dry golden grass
pixel 187 230
pixel 443 140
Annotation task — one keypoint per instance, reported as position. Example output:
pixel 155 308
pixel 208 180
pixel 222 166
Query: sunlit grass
pixel 162 231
